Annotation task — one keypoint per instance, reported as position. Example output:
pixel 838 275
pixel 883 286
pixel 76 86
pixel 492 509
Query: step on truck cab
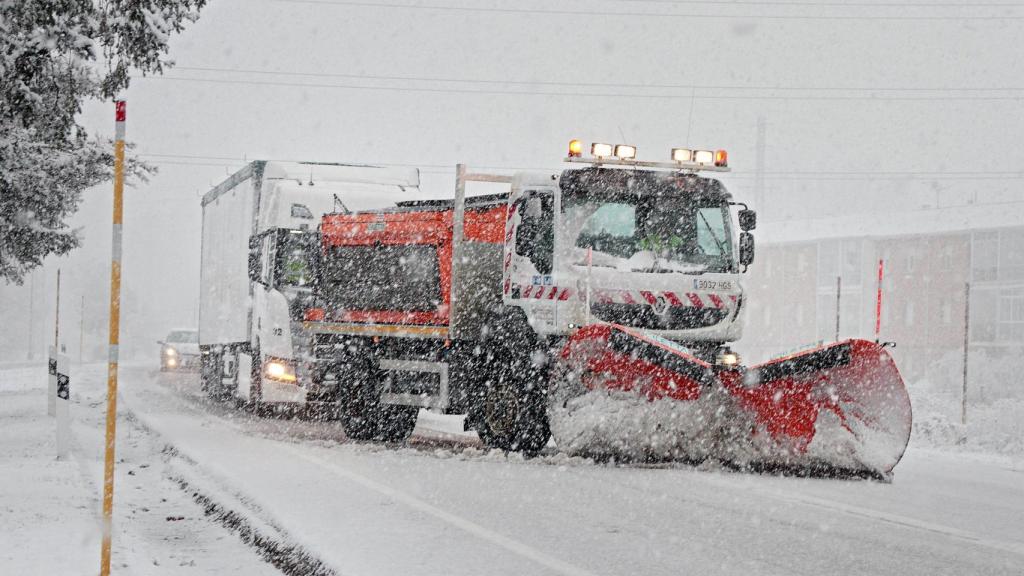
pixel 260 230
pixel 461 305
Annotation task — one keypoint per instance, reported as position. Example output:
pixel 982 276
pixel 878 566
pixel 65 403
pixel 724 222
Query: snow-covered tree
pixel 54 54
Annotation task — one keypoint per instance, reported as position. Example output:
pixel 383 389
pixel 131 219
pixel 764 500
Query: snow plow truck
pixel 595 305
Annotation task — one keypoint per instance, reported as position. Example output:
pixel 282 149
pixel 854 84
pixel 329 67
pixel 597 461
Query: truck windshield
pixel 650 233
pixel 294 250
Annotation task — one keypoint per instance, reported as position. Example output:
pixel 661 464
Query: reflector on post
pixel 704 157
pixel 575 148
pixel 600 150
pixel 625 151
pixel 682 155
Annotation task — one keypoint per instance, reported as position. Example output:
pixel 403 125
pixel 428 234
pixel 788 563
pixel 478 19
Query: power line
pixel 492 81
pixel 592 13
pixel 865 97
pixel 812 175
pixel 814 3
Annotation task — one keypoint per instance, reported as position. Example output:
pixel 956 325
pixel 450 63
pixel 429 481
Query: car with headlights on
pixel 180 351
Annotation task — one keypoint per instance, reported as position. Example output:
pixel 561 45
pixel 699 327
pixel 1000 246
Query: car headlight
pixel 170 352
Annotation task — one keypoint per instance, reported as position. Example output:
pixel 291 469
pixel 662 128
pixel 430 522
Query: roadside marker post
pixel 115 327
pixel 51 386
pixel 878 302
pixel 63 401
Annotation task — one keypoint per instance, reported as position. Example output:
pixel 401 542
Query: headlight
pixel 170 352
pixel 280 370
pixel 728 359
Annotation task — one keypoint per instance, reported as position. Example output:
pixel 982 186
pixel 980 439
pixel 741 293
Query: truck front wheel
pixel 363 415
pixel 513 413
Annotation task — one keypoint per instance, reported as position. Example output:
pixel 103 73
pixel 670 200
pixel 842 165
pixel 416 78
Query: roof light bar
pixel 683 159
pixel 682 155
pixel 600 150
pixel 625 151
pixel 704 157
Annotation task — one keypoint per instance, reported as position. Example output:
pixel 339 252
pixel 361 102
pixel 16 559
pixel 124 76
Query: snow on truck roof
pixel 318 172
pixel 322 172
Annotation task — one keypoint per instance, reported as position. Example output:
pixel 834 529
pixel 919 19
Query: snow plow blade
pixel 840 409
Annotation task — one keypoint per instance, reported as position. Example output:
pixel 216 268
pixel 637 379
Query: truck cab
pixel 642 244
pixel 260 243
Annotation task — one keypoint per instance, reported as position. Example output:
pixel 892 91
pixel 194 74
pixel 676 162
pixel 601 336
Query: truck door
pixel 262 286
pixel 532 247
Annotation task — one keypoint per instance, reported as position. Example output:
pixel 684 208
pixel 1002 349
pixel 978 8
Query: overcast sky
pixel 866 108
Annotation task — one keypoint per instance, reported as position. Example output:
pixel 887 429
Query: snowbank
pixel 996 427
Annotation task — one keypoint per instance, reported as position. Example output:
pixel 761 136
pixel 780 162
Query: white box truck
pixel 260 237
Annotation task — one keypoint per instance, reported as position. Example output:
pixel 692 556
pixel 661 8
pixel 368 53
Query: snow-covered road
pixel 366 509
pixel 443 506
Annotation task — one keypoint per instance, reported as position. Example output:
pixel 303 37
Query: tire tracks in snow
pixel 455 520
pixel 279 547
pixel 709 478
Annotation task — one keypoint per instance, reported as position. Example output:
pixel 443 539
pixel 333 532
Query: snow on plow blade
pixel 621 392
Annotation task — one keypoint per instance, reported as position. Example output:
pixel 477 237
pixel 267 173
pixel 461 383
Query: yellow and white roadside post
pixel 115 327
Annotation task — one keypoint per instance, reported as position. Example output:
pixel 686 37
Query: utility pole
pixel 967 341
pixel 81 331
pixel 31 312
pixel 56 317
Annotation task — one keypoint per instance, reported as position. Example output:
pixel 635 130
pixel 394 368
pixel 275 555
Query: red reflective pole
pixel 878 304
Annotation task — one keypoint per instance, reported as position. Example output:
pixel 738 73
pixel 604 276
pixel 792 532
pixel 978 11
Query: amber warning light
pixel 575 148
pixel 721 158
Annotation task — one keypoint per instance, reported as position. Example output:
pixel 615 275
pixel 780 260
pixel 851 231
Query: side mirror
pixel 748 220
pixel 746 248
pixel 254 266
pixel 161 342
pixel 254 258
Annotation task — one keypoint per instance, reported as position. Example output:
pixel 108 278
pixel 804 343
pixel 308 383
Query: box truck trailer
pixel 259 239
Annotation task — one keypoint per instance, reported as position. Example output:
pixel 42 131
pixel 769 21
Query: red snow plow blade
pixel 841 408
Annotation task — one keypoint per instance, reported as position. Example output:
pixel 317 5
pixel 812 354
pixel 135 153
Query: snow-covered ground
pixel 442 505
pixel 50 509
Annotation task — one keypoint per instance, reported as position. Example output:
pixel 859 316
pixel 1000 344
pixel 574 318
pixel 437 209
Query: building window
pixel 1011 315
pixel 985 255
pixel 1011 255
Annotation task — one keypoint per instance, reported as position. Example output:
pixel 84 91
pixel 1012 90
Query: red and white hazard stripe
pixel 671 299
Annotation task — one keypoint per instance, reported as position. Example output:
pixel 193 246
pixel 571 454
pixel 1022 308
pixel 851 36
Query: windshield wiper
pixel 719 243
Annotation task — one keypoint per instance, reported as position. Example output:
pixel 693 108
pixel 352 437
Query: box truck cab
pixel 260 237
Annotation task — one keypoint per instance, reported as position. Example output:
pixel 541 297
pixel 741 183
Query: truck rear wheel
pixel 513 415
pixel 211 371
pixel 363 415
